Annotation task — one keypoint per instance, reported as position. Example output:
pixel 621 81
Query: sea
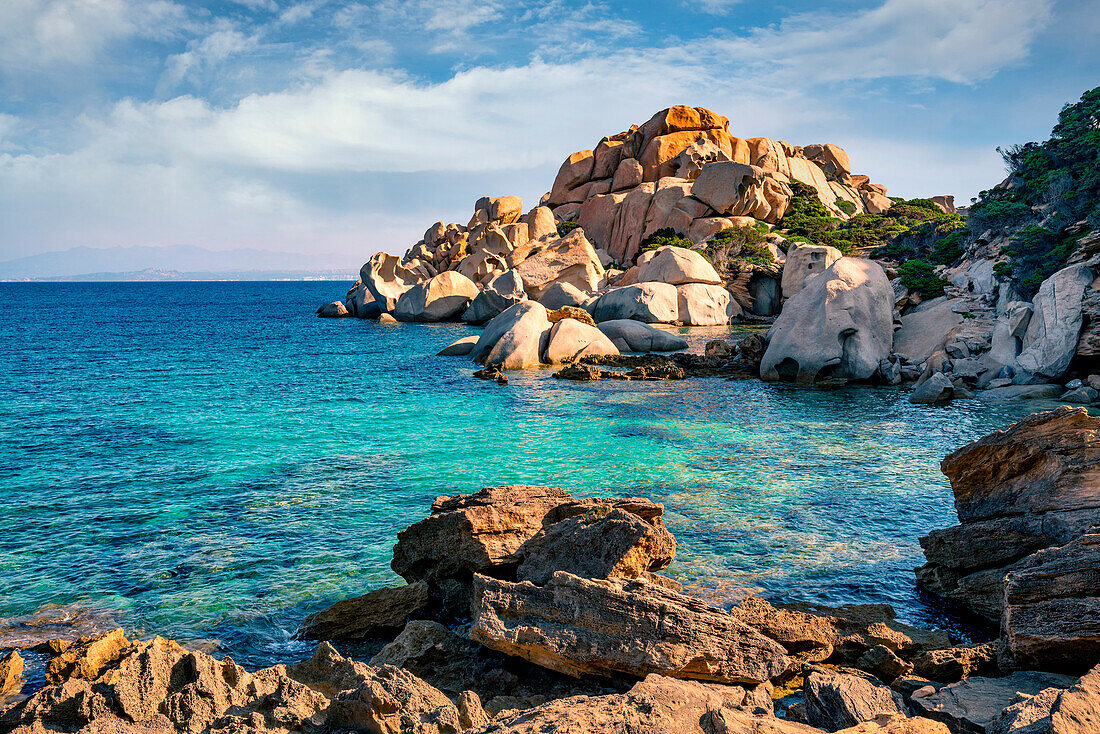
pixel 211 462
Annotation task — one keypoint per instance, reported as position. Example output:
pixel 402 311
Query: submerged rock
pixel 333 310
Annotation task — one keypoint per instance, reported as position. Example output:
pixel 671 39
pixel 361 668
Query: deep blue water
pixel 211 461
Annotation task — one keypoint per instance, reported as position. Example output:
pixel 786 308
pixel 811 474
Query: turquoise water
pixel 212 462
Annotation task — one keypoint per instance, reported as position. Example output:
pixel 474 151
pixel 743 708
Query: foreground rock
pixel 1075 710
pixel 970 706
pixel 655 705
pixel 444 297
pixel 515 339
pixel 158 686
pixel 1035 485
pixel 488 532
pixel 839 326
pixel 633 336
pixel 835 701
pixel 380 613
pixel 585 627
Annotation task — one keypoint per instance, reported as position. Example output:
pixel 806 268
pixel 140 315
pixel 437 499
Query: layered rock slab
pixel 582 626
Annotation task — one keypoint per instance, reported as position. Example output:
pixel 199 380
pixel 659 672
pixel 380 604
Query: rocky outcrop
pixel 515 339
pixel 970 706
pixel 835 701
pixel 381 613
pixel 952 664
pixel 158 686
pixel 502 292
pixel 701 304
pixel 581 626
pixel 680 170
pixel 1031 487
pixel 655 705
pixel 488 533
pixel 11 675
pixel 1055 326
pixel 333 310
pixel 836 635
pixel 839 326
pixel 571 338
pixel 444 297
pixel 650 303
pixel 634 336
pixel 1074 710
pixel 677 266
pixel 604 542
pixel 1051 617
pixel 803 264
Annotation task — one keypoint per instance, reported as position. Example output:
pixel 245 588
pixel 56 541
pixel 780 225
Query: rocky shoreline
pixel 530 610
pixel 678 223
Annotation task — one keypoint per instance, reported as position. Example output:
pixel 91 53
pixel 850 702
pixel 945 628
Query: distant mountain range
pixel 178 262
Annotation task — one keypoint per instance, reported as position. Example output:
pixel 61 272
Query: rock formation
pixel 1028 499
pixel 840 325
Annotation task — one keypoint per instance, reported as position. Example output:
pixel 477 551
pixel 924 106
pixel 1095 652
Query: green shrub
pixel 921 276
pixel 846 206
pixel 665 236
pixel 805 214
pixel 1002 270
pixel 565 228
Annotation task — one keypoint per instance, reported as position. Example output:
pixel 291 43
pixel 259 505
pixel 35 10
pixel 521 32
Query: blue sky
pixel 339 126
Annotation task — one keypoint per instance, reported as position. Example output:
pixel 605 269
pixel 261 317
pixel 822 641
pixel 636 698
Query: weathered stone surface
pixel 382 612
pixel 955 663
pixel 503 291
pixel 459 347
pixel 387 279
pixel 158 686
pixel 559 295
pixel 803 264
pixel 1055 326
pixel 628 174
pixel 677 265
pixel 1075 710
pixel 1046 462
pixel 597 217
pixel 473 532
pixel 985 544
pixel 626 233
pixel 602 543
pixel 444 297
pixel 574 172
pixel 581 626
pixel 86 658
pixel 740 190
pixel 11 675
pixel 646 302
pixel 969 706
pixel 832 159
pixel 571 338
pixel 883 662
pixel 936 390
pixel 1051 615
pixel 514 339
pixel 926 329
pixel 840 634
pixel 570 259
pixel 835 700
pixel 634 336
pixel 655 705
pixel 702 304
pixel 333 310
pixel 570 312
pixel 839 326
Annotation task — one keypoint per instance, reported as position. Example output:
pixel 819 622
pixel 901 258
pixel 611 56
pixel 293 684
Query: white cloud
pixel 246 173
pixel 37 33
pixel 954 40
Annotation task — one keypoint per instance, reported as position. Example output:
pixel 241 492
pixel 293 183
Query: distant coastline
pixel 153 275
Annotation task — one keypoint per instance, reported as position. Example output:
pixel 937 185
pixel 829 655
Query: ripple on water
pixel 218 471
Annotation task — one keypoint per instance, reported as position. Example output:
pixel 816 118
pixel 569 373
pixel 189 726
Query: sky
pixel 350 127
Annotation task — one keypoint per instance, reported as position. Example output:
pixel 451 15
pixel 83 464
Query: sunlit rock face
pixel 839 326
